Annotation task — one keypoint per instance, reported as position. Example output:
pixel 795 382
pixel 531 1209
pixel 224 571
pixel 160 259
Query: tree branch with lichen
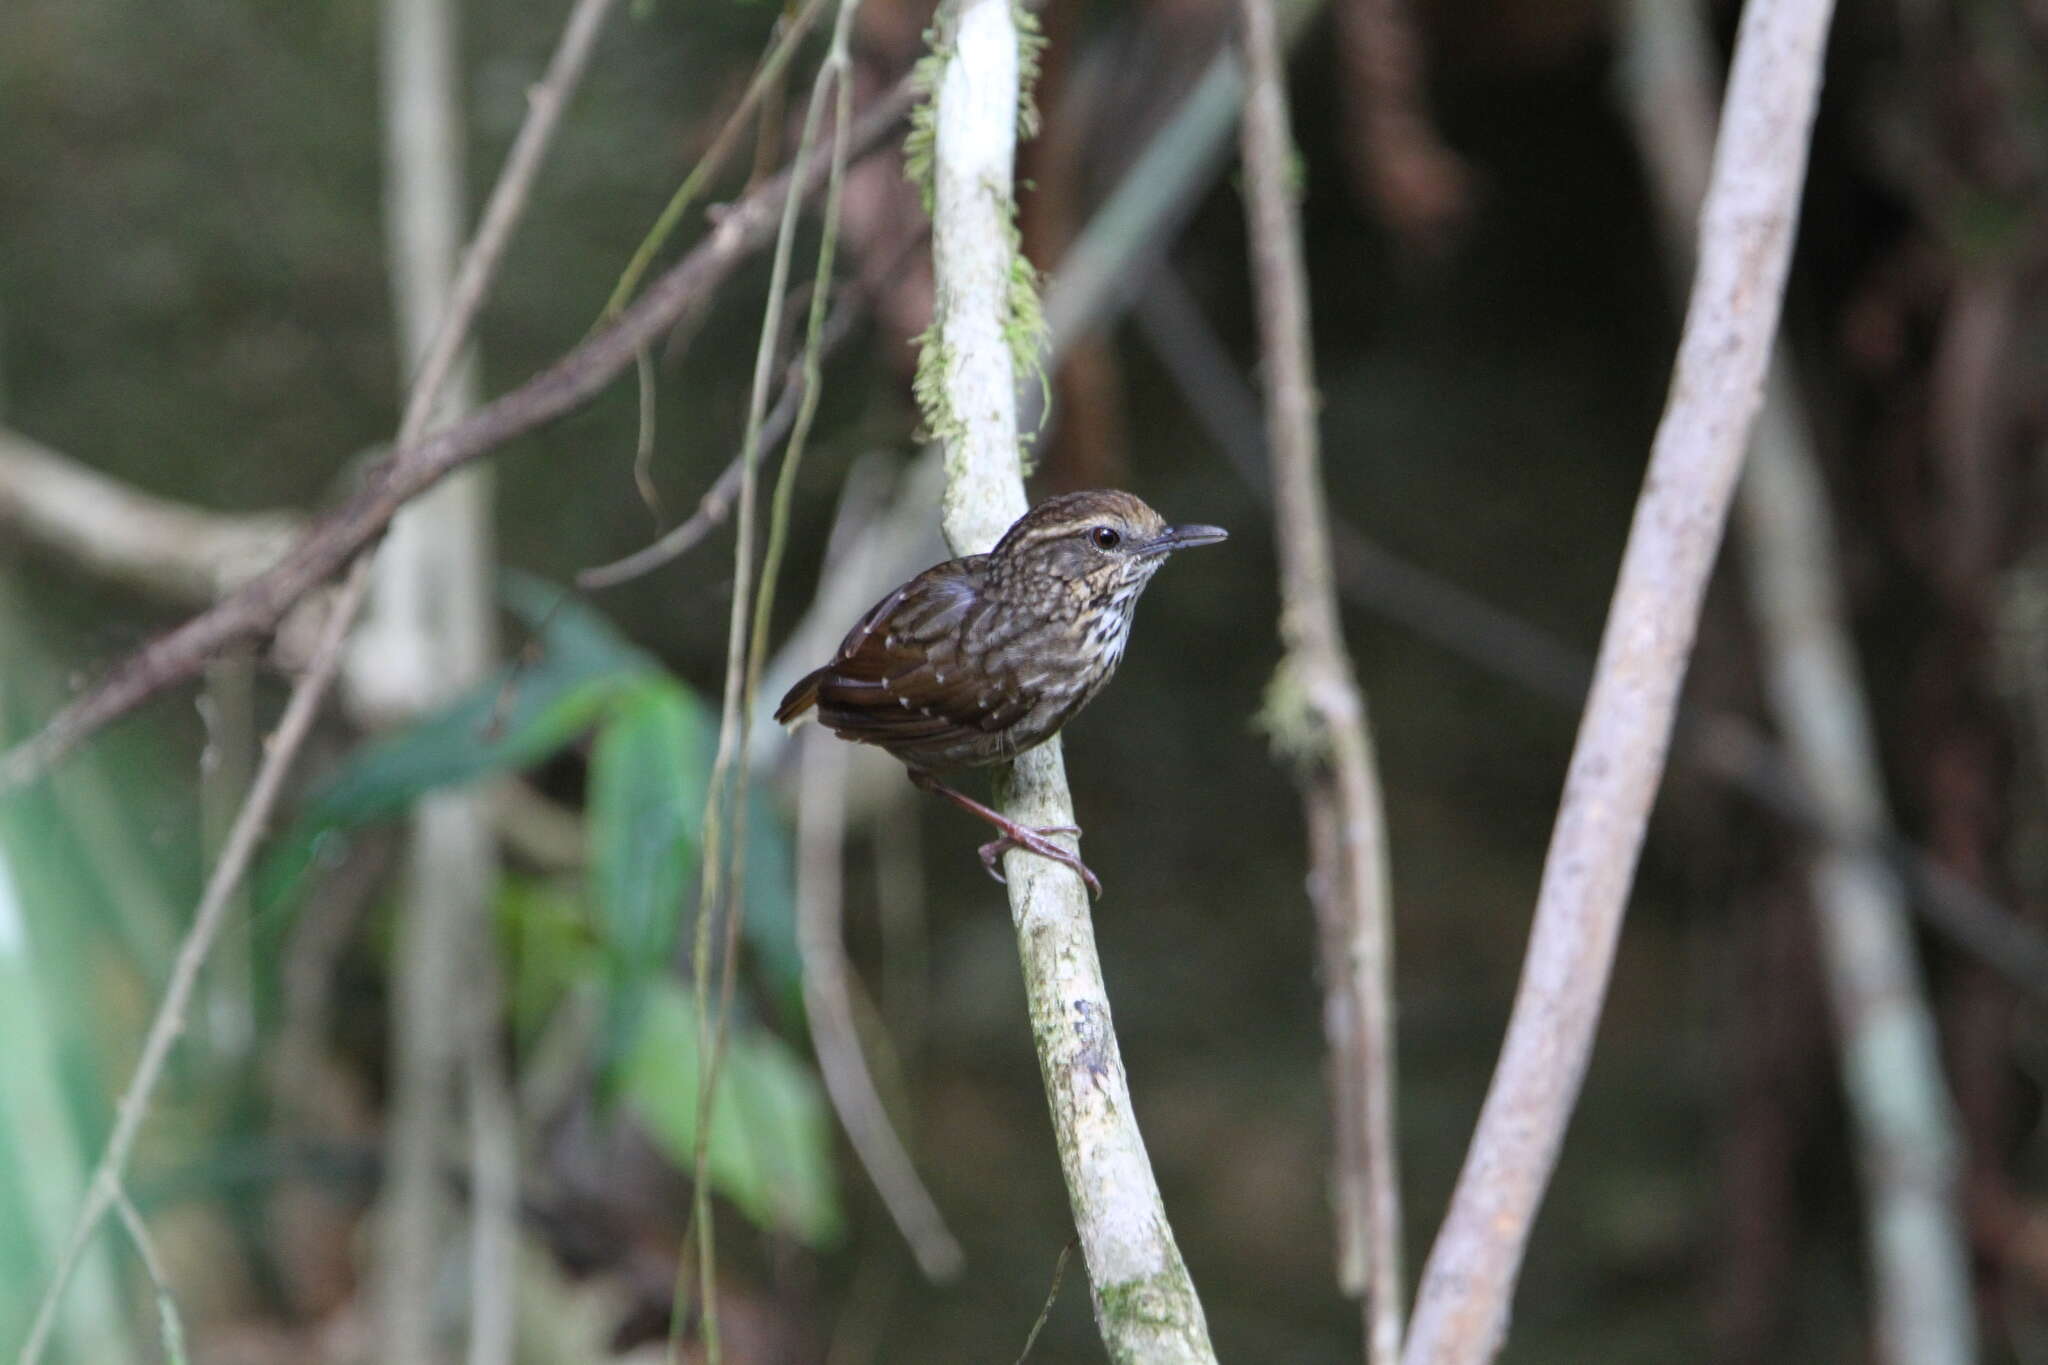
pixel 1145 1303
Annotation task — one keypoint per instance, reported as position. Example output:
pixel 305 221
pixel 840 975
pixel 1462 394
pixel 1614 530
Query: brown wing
pixel 899 680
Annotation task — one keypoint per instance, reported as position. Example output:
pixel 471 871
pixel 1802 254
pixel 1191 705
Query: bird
pixel 978 659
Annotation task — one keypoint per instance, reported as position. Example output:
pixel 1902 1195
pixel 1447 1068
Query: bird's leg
pixel 1014 834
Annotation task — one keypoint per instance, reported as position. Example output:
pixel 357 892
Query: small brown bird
pixel 978 659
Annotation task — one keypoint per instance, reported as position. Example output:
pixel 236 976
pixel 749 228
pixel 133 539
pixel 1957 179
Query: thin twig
pixel 1052 1295
pixel 643 444
pixel 780 50
pixel 822 804
pixel 415 466
pixel 834 78
pixel 1462 1307
pixel 170 1323
pixel 716 504
pixel 1318 716
pixel 1902 1114
pixel 722 889
pixel 765 91
pixel 1145 1303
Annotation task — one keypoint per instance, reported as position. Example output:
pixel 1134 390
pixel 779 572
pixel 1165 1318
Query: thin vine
pixel 722 888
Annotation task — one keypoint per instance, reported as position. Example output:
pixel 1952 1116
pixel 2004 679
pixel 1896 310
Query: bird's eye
pixel 1106 537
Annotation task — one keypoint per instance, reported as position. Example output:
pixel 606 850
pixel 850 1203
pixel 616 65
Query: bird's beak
pixel 1183 537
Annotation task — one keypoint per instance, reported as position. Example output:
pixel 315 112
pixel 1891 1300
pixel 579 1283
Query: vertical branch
pixel 434 589
pixel 1145 1304
pixel 1319 714
pixel 1746 233
pixel 1890 1058
pixel 227 705
pixel 430 633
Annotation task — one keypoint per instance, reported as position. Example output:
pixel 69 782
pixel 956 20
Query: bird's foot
pixel 1037 841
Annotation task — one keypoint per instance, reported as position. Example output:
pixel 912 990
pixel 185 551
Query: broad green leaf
pixel 648 776
pixel 517 717
pixel 770 1148
pixel 465 740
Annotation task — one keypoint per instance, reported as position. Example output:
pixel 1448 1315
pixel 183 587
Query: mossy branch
pixel 1145 1303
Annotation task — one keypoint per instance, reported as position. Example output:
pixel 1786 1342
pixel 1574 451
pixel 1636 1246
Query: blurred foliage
pixel 575 668
pixel 771 1133
pixel 648 778
pixel 650 760
pixel 194 300
pixel 65 923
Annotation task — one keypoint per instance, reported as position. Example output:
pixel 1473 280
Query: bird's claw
pixel 1035 841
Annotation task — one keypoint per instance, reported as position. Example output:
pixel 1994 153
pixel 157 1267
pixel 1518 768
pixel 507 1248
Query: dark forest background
pixel 193 300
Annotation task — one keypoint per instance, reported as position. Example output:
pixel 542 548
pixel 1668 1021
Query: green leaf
pixel 549 945
pixel 514 719
pixel 770 926
pixel 464 741
pixel 520 715
pixel 648 776
pixel 770 1148
pixel 86 928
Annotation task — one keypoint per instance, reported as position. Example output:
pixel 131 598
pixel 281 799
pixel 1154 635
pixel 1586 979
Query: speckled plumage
pixel 978 659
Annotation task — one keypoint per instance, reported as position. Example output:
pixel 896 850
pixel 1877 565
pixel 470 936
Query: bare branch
pixel 1890 1057
pixel 170 1323
pixel 1318 716
pixel 716 504
pixel 563 387
pixel 1746 234
pixel 151 544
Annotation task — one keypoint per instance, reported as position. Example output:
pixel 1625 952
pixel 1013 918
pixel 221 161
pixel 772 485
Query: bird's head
pixel 1099 545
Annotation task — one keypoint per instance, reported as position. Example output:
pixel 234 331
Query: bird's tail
pixel 800 699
